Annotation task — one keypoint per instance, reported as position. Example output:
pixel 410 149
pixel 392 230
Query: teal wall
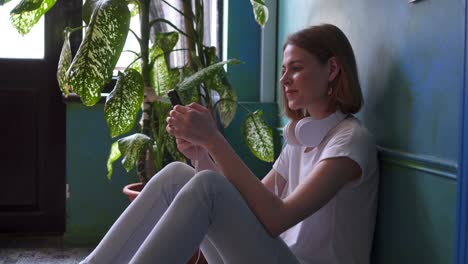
pixel 243 43
pixel 243 37
pixel 410 61
pixel 94 202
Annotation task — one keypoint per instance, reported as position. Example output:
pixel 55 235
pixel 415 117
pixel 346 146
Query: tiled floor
pixel 41 250
pixel 42 255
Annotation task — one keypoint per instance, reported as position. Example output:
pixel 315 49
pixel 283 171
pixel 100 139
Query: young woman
pixel 317 204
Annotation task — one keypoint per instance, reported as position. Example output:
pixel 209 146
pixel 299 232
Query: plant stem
pixel 135 35
pixel 177 10
pixel 163 20
pixel 145 72
pixel 189 28
pixel 145 34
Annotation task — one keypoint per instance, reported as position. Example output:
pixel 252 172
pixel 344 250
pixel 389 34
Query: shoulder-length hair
pixel 324 42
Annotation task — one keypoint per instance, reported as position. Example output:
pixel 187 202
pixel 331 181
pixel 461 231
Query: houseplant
pixel 141 88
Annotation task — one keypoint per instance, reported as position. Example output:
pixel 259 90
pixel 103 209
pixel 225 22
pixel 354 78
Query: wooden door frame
pixel 48 215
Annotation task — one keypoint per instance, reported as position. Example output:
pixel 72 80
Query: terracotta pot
pixel 132 190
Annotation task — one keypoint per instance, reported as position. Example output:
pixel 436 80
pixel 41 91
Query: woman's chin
pixel 293 106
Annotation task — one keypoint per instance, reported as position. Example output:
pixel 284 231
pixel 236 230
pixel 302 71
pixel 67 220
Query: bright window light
pixel 131 44
pixel 15 46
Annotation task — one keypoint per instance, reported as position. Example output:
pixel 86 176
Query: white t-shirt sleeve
pixel 352 143
pixel 281 164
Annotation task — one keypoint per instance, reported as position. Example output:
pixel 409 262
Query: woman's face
pixel 304 80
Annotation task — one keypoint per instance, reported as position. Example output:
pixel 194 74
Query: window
pixel 131 44
pixel 13 45
pixel 161 9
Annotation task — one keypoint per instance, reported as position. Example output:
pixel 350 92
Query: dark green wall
pixel 410 61
pixel 416 215
pixel 416 218
pixel 243 42
pixel 94 202
pixel 243 37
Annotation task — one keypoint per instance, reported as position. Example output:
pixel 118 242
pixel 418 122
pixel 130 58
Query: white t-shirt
pixel 342 230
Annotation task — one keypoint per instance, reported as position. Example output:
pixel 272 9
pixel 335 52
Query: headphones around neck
pixel 308 131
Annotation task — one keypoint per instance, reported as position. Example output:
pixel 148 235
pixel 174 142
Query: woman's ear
pixel 334 69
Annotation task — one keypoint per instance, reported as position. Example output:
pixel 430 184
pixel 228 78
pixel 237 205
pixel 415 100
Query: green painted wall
pixel 410 61
pixel 94 202
pixel 243 43
pixel 416 217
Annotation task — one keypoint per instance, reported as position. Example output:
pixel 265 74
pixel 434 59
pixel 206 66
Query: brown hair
pixel 326 41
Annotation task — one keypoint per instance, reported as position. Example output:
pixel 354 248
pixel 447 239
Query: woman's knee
pixel 173 173
pixel 209 180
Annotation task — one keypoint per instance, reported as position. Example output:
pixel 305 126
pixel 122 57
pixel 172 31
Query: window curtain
pixel 166 9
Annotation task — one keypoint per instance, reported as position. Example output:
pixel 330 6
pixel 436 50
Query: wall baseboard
pixel 429 164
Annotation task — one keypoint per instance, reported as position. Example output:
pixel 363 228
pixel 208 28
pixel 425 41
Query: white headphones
pixel 308 131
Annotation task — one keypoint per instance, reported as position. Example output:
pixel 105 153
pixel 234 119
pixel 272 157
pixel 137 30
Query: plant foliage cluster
pixel 141 89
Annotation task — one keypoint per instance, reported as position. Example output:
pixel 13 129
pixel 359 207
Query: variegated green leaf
pixel 113 156
pixel 227 106
pixel 88 9
pixel 210 53
pixel 26 5
pixel 136 65
pixel 190 95
pixel 100 49
pixel 124 102
pixel 258 136
pixel 24 21
pixel 171 147
pixel 64 64
pixel 161 110
pixel 166 40
pixel 160 77
pixel 2 2
pixel 131 147
pixel 202 75
pixel 260 11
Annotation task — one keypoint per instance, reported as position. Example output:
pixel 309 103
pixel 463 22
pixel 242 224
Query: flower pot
pixel 132 190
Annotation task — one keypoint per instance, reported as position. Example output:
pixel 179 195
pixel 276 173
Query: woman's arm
pixel 278 215
pixel 269 181
pixel 194 124
pixel 196 153
pixel 205 162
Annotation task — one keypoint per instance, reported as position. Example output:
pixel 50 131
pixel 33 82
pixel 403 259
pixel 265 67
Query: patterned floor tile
pixel 43 255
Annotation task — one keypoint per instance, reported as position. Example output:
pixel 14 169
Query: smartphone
pixel 174 97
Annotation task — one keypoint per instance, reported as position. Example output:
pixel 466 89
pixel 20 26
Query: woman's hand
pixel 190 150
pixel 192 123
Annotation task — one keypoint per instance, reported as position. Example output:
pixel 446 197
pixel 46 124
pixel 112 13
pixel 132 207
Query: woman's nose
pixel 284 79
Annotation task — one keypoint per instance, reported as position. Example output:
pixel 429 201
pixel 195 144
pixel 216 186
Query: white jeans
pixel 177 212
